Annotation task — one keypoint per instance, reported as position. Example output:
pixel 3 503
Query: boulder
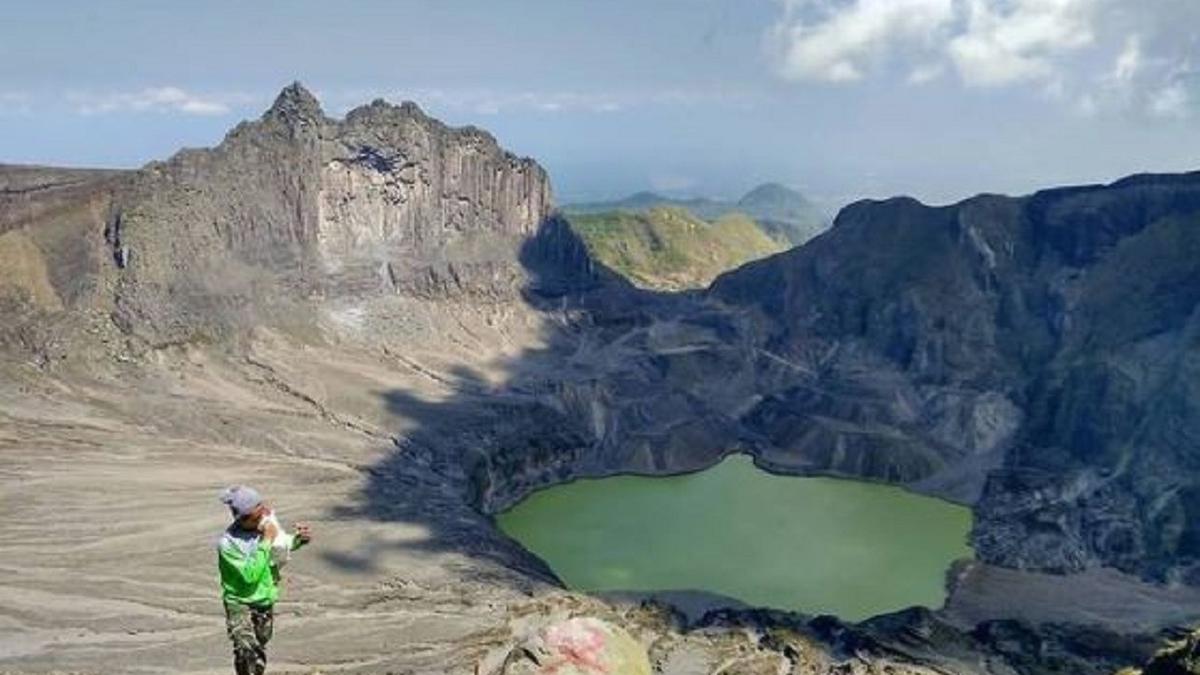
pixel 576 646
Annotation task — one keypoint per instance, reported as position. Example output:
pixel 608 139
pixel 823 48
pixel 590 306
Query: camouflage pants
pixel 249 629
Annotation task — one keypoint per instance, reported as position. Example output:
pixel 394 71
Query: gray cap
pixel 241 499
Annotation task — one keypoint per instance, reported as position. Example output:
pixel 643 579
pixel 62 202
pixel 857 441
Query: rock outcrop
pixel 52 259
pixel 297 206
pixel 574 646
pixel 1038 348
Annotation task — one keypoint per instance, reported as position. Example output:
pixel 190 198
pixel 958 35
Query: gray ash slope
pixel 411 287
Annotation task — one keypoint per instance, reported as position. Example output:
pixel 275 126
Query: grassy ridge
pixel 669 248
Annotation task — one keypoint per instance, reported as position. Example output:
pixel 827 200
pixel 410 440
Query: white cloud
pixel 1171 101
pixel 817 40
pixel 926 73
pixel 1009 42
pixel 493 103
pixel 1092 57
pixel 1087 106
pixel 988 42
pixel 1129 61
pixel 15 103
pixel 1156 86
pixel 150 99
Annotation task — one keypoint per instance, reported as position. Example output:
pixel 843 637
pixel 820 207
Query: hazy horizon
pixel 839 99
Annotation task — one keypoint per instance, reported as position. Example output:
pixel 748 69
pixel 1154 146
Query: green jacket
pixel 249 568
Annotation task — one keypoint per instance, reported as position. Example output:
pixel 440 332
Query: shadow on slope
pixel 442 474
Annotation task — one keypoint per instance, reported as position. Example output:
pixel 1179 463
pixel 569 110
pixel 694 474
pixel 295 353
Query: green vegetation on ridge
pixel 668 248
pixel 781 212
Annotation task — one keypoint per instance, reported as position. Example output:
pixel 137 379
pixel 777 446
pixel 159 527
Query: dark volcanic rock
pixel 919 638
pixel 1067 318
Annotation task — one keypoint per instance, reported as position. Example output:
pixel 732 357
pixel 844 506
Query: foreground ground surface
pixel 109 478
pixel 109 492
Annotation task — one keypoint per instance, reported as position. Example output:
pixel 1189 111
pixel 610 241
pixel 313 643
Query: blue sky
pixel 839 98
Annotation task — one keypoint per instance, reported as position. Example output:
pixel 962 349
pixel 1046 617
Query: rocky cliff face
pixel 296 206
pixel 1044 346
pixel 51 260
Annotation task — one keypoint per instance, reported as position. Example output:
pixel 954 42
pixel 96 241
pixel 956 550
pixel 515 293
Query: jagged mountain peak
pixel 295 103
pixel 387 201
pixel 381 106
pixel 381 113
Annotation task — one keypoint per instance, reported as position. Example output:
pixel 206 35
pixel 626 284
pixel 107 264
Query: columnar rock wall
pixel 297 206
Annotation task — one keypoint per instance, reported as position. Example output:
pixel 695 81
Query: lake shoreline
pixel 737 530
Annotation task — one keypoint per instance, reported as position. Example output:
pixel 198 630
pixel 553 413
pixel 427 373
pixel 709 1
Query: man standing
pixel 249 555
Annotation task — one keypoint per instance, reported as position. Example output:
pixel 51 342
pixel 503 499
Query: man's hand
pixel 303 533
pixel 269 529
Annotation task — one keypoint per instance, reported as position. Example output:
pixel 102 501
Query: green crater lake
pixel 812 545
